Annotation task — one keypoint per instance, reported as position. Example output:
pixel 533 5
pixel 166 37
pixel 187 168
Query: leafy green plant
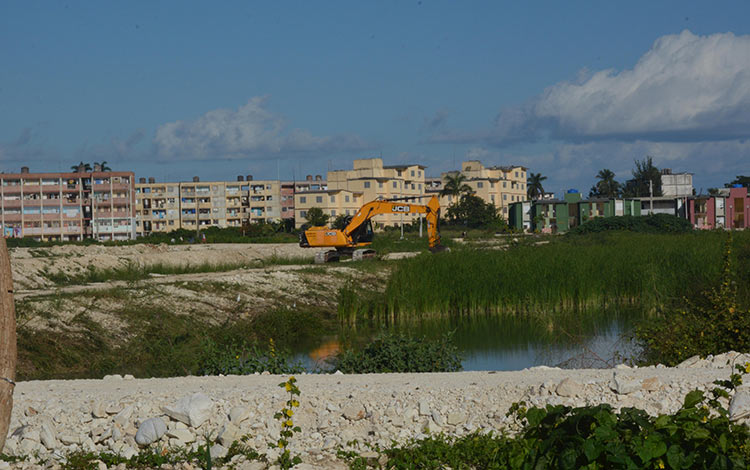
pixel 394 352
pixel 285 417
pixel 698 436
pixel 714 321
pixel 243 359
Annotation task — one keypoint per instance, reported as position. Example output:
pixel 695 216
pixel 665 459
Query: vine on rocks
pixel 286 460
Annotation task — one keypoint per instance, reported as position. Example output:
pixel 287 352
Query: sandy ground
pixel 29 263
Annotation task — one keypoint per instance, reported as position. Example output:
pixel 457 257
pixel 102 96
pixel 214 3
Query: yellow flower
pixel 281 443
pixel 661 463
pixel 296 403
pixel 236 357
pixel 747 367
pixel 704 419
pixel 289 412
pixel 288 387
pixel 288 423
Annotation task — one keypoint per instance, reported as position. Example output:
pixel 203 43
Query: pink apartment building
pixel 68 206
pixel 729 209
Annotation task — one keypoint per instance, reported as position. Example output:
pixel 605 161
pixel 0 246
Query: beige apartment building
pixel 163 207
pixel 500 185
pixel 369 180
pixel 333 202
pixel 68 206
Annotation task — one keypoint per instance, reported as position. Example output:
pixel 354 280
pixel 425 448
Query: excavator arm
pixel 371 209
pixel 358 232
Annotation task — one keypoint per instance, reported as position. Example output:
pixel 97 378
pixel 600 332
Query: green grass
pixel 574 273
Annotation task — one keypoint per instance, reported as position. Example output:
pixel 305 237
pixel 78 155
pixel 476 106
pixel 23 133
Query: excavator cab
pixel 364 233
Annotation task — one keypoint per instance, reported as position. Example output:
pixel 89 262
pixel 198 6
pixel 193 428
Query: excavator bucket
pixel 439 249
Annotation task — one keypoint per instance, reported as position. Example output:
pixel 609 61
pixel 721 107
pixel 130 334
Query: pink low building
pixel 729 209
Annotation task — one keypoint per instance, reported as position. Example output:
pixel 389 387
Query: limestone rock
pixel 569 388
pixel 228 434
pixel 689 362
pixel 424 408
pixel 99 410
pixel 739 407
pixel 218 451
pixel 150 431
pixel 623 385
pixel 193 410
pixel 239 414
pixel 123 417
pixel 454 419
pixel 354 412
pixel 182 435
pixel 651 384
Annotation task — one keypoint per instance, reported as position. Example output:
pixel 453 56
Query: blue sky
pixel 217 89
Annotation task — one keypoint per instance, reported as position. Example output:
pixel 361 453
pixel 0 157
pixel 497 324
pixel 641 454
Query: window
pixel 395 184
pixel 333 212
pixel 505 184
pixel 505 197
pixel 380 184
pixel 367 184
pixel 303 213
pixel 420 186
pixel 400 172
pixel 516 174
pixel 480 185
pixel 302 200
pixel 412 173
pixel 333 199
pixel 319 199
pixel 492 197
pixel 346 198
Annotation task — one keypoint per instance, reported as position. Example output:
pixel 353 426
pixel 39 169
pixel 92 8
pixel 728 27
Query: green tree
pixel 103 166
pixel 740 179
pixel 316 217
pixel 534 188
pixel 472 212
pixel 643 173
pixel 454 184
pixel 85 167
pixel 341 221
pixel 713 191
pixel 606 186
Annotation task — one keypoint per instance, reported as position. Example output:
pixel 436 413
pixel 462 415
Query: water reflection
pixel 513 342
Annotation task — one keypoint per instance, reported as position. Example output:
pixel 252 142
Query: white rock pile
pixel 122 414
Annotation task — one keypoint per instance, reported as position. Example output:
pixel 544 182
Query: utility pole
pixel 402 226
pixel 651 196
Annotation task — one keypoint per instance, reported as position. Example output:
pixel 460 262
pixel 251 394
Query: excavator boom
pixel 358 232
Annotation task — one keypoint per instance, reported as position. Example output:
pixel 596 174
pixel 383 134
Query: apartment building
pixel 369 180
pixel 333 202
pixel 163 207
pixel 290 188
pixel 68 206
pixel 729 209
pixel 500 185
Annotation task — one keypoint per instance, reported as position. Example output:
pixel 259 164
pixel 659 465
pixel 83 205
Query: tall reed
pixel 569 274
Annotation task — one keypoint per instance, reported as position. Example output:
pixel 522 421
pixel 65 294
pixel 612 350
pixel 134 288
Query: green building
pixel 560 215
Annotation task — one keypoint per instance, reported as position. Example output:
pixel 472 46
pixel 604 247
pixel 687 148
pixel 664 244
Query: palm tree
pixel 81 167
pixel 534 188
pixel 102 166
pixel 454 185
pixel 606 186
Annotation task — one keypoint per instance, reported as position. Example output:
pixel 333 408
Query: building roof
pixel 328 191
pixel 405 165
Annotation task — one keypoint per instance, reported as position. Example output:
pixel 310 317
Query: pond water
pixel 502 342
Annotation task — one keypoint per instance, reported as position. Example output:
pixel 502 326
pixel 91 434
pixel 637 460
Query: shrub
pixel 656 223
pixel 243 359
pixel 393 352
pixel 699 435
pixel 712 322
pixel 473 212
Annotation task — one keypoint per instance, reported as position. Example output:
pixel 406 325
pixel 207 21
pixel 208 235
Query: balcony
pixel 31 188
pixel 12 217
pixel 11 203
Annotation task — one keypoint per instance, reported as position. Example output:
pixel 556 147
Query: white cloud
pixel 685 88
pixel 250 131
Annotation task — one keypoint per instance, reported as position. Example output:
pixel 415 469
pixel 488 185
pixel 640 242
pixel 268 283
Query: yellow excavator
pixel 354 239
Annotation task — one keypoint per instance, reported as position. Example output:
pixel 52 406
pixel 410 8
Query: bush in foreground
pixel 699 436
pixel 393 352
